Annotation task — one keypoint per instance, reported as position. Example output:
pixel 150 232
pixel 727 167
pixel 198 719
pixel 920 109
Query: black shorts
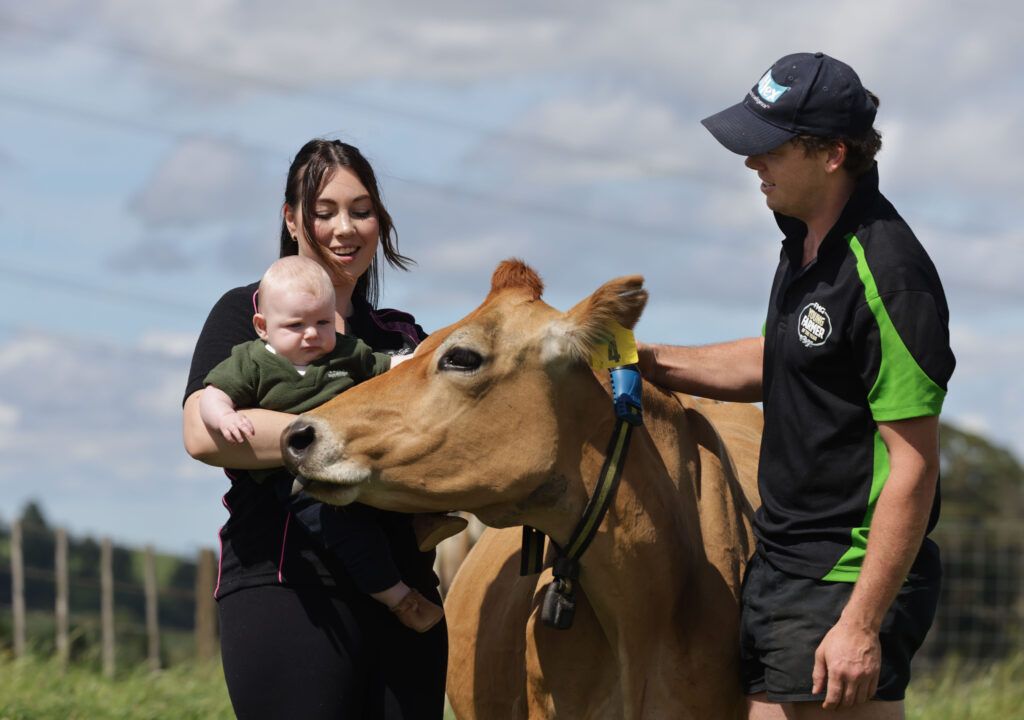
pixel 784 618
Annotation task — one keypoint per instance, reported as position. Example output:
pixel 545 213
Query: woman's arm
pixel 262 450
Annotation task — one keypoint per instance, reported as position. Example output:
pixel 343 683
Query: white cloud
pixel 593 139
pixel 204 180
pixel 163 398
pixel 174 345
pixel 9 416
pixel 24 352
pixel 987 388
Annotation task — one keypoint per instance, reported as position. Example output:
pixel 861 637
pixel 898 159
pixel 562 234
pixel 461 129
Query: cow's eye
pixel 460 359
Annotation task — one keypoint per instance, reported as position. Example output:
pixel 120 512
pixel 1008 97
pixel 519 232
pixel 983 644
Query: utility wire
pixel 561 212
pixel 21 26
pixel 105 292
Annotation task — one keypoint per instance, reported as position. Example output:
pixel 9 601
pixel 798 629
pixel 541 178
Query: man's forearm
pixel 724 371
pixel 848 661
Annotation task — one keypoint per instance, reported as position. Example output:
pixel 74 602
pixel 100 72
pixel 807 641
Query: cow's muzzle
pixel 296 443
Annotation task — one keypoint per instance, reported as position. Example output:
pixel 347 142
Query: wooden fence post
pixel 18 589
pixel 107 605
pixel 206 608
pixel 62 605
pixel 152 621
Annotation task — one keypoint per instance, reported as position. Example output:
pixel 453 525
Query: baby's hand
pixel 235 426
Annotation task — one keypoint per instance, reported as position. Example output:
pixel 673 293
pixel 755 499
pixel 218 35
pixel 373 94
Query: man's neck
pixel 826 215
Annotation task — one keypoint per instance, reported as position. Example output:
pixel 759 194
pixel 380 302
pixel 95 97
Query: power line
pixel 104 292
pixel 538 142
pixel 560 212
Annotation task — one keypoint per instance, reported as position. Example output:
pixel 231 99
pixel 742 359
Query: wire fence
pixel 981 611
pixel 102 602
pixel 980 619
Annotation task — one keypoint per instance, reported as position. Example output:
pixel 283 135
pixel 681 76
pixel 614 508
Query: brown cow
pixel 500 415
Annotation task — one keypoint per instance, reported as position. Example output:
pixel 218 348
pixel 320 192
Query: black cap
pixel 801 94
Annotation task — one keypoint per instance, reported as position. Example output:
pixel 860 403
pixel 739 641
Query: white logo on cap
pixel 768 89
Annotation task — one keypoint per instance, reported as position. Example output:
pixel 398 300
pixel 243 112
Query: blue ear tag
pixel 627 391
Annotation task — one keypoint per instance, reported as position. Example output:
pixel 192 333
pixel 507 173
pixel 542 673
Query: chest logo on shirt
pixel 334 374
pixel 814 325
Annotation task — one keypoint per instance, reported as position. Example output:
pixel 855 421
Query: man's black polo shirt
pixel 857 337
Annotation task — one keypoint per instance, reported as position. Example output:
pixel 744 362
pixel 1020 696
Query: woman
pixel 297 638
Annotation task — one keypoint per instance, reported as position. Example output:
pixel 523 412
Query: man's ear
pixel 259 321
pixel 835 156
pixel 621 300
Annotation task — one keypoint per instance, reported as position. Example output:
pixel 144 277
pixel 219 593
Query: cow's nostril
pixel 295 441
pixel 301 438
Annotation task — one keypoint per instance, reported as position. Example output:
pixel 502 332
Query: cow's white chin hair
pixel 333 494
pixel 339 483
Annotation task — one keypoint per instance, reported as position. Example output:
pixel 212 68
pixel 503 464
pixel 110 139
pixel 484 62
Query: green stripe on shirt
pixel 902 389
pixel 849 565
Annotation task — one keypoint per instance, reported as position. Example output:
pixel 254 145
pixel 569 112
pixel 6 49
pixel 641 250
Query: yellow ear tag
pixel 618 349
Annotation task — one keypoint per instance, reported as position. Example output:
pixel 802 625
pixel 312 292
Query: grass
pixel 956 692
pixel 35 689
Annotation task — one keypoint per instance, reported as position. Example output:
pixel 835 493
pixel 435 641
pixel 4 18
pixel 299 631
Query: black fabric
pixel 350 533
pixel 785 617
pixel 259 543
pixel 298 638
pixel 310 654
pixel 818 446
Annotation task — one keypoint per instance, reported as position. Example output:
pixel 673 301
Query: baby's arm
pixel 219 414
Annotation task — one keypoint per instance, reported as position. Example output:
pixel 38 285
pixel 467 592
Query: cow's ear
pixel 621 300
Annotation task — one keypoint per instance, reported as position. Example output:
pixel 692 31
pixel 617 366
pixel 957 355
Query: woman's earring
pixel 295 238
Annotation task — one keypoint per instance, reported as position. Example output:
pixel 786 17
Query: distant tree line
pixel 176 605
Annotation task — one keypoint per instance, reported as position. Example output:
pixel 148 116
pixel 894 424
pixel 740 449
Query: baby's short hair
pixel 296 273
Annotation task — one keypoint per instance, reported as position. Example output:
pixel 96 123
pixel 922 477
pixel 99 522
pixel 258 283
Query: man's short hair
pixel 860 149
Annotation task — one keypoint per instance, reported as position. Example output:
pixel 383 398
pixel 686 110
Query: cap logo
pixel 768 89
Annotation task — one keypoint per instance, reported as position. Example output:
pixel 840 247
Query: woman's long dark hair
pixel 309 172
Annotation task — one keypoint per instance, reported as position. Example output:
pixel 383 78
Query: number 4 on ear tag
pixel 618 349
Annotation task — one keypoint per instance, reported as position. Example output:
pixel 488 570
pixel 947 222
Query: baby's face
pixel 300 326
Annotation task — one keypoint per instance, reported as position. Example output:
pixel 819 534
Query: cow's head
pixel 491 415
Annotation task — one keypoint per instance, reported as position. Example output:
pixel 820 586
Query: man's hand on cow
pixel 846 665
pixel 235 427
pixel 647 360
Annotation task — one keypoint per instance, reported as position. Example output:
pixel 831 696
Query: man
pixel 852 369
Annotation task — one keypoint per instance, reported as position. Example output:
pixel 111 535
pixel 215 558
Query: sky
pixel 144 149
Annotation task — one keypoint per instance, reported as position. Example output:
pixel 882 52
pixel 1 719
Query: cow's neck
pixel 636 574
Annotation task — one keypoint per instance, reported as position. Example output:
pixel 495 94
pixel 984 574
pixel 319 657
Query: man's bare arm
pixel 724 371
pixel 262 450
pixel 848 660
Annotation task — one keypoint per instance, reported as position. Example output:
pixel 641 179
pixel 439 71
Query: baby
pixel 298 363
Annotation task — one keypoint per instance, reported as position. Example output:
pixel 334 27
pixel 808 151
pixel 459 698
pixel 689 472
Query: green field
pixel 954 693
pixel 33 689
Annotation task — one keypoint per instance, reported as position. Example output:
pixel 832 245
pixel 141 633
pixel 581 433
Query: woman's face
pixel 345 226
